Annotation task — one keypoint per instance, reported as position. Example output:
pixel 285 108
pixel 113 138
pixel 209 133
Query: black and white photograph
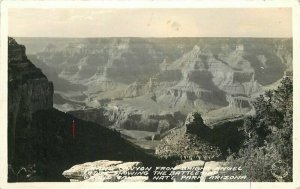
pixel 149 94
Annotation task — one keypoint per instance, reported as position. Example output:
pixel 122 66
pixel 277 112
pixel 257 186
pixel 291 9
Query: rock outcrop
pixel 188 142
pixel 106 171
pixel 197 141
pixel 40 138
pixel 28 91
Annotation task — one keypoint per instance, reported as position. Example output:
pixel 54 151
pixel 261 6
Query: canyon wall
pixel 129 77
pixel 28 91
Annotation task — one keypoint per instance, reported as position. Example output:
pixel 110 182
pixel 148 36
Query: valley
pixel 144 87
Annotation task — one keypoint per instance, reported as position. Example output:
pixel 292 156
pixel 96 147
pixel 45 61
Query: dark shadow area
pixel 48 144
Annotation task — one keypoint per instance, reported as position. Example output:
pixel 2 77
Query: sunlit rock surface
pixel 104 171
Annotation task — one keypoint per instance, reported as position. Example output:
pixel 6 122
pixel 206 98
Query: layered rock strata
pixel 28 91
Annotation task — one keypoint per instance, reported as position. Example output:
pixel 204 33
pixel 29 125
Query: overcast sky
pixel 263 22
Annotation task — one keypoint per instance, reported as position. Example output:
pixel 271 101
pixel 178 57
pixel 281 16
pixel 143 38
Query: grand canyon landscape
pixel 148 102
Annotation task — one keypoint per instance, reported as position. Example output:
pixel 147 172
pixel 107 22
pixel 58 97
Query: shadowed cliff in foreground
pixel 40 141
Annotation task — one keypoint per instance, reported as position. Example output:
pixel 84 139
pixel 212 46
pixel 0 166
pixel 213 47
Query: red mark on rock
pixel 73 129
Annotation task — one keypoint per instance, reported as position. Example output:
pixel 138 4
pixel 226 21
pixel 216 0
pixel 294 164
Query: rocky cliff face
pixel 131 76
pixel 28 91
pixel 41 143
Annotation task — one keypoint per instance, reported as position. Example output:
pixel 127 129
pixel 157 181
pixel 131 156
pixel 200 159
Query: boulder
pixel 136 179
pixel 86 170
pixel 104 171
pixel 111 176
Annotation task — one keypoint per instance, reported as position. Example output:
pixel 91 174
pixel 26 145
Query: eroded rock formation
pixel 28 91
pixel 130 76
pixel 188 142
